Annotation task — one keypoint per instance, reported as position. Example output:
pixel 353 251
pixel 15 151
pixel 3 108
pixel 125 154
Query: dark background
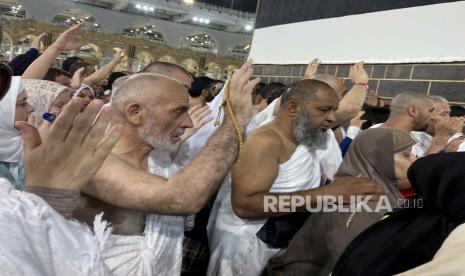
pixel 242 5
pixel 277 12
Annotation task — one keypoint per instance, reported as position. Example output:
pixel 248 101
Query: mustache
pixel 179 132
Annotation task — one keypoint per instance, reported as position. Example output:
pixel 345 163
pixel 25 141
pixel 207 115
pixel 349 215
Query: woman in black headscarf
pixel 410 237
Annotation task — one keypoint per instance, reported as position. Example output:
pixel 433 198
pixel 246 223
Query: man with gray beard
pixel 278 162
pixel 145 206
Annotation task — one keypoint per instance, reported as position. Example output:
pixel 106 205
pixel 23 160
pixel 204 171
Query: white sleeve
pixel 461 147
pixel 265 114
pixel 352 132
pixel 39 241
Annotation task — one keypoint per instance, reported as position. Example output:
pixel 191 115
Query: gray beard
pixel 145 134
pixel 305 134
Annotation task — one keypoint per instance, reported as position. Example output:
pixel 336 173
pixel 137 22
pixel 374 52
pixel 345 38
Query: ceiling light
pixel 189 2
pixel 201 20
pixel 73 18
pixel 146 8
pixel 96 24
pixel 152 9
pixel 19 6
pixel 248 27
pixel 207 21
pixel 192 39
pixel 195 19
pixel 196 37
pixel 138 6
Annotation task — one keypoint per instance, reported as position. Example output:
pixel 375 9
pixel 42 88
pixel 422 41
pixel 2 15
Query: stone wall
pixel 387 80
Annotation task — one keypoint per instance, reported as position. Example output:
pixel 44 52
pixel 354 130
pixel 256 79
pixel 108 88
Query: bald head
pixel 170 70
pixel 405 100
pixel 334 82
pixel 145 89
pixel 305 90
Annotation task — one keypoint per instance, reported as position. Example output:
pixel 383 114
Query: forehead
pixel 65 94
pixel 325 97
pixel 169 93
pixel 86 91
pixel 440 106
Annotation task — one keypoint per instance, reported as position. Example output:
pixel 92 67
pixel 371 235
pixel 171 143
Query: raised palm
pixel 68 40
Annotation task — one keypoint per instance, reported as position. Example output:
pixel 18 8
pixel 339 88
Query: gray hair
pixel 132 88
pixel 440 99
pixel 405 100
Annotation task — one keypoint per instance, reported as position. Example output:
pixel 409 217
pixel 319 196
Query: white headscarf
pixel 41 94
pixel 11 144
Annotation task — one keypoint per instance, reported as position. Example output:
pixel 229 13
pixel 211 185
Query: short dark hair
pixel 77 66
pixel 457 111
pixel 272 91
pixel 374 115
pixel 113 77
pixel 304 90
pixel 53 73
pixel 199 84
pixel 70 61
pixel 257 90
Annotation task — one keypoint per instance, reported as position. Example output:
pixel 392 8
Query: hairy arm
pixel 351 104
pixel 65 42
pixel 187 192
pixel 40 66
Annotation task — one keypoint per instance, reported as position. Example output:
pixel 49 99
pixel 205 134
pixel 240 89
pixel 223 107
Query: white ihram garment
pixel 159 250
pixel 234 246
pixel 36 240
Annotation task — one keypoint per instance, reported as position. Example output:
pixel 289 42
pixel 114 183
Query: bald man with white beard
pixel 278 160
pixel 134 197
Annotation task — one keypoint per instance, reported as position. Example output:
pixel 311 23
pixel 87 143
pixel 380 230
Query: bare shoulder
pixel 266 136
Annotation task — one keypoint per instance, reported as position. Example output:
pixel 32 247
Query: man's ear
pixel 412 111
pixel 205 93
pixel 134 113
pixel 292 109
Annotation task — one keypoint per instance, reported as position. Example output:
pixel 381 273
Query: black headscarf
pixel 411 236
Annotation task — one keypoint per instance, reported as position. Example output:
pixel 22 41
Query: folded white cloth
pixel 36 240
